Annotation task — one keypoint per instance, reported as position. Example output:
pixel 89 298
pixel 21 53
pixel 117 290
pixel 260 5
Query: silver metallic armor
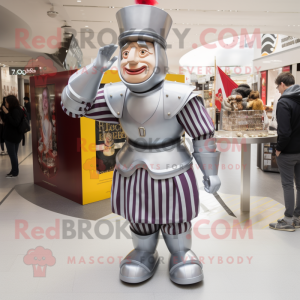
pixel 208 159
pixel 184 266
pixel 141 263
pixel 154 134
pixel 147 112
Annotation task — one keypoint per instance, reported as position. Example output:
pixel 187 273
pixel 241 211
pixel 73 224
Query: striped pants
pixel 171 229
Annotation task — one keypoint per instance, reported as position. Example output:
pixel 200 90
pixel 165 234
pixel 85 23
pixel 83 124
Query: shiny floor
pixel 242 257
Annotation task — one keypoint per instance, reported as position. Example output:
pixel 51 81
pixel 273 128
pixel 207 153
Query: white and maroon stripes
pixel 171 229
pixel 144 229
pixel 72 115
pixel 100 111
pixel 195 120
pixel 142 199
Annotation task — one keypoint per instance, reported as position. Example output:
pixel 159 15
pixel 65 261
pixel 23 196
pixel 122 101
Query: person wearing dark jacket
pixel 27 106
pixel 288 149
pixel 2 127
pixel 13 115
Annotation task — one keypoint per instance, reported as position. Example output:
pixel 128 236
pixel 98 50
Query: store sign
pixel 274 43
pixel 23 71
pixel 264 86
pixel 286 69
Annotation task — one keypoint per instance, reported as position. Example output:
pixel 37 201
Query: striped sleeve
pixel 196 121
pixel 99 110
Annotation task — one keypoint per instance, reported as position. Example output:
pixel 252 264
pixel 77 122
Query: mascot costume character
pixel 154 185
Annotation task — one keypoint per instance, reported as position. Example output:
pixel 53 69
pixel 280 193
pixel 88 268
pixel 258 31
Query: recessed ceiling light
pixel 86 26
pixel 78 0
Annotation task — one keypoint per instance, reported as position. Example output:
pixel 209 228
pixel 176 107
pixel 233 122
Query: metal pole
pixel 245 177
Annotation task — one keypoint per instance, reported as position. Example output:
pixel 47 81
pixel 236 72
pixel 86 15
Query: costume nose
pixel 132 57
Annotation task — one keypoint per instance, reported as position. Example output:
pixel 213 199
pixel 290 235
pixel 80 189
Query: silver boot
pixel 140 264
pixel 184 266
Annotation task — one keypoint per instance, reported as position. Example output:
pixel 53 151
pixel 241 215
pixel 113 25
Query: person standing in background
pixel 2 128
pixel 13 115
pixel 273 123
pixel 27 106
pixel 288 149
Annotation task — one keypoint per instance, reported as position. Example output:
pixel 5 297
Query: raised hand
pixel 103 61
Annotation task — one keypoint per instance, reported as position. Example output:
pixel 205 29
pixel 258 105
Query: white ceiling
pixel 269 16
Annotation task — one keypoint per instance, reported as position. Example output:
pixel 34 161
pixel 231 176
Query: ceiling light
pixel 78 0
pixel 86 26
pixel 52 13
pixel 65 25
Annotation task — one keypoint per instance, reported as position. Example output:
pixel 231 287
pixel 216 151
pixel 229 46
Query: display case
pixel 243 120
pixel 266 157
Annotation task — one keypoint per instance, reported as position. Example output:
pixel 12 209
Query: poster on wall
pixel 55 136
pixel 264 86
pixel 109 140
pixel 9 83
pixel 46 129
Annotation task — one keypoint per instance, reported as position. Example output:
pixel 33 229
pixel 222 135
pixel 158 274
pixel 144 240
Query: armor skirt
pixel 142 199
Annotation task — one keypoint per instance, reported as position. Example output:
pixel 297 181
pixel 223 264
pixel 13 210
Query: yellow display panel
pixel 95 187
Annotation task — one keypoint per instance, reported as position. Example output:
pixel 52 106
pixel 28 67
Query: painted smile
pixel 135 71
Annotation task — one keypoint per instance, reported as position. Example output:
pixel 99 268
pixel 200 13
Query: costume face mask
pixel 138 62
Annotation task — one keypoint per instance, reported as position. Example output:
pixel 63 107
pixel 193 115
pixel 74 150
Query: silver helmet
pixel 145 23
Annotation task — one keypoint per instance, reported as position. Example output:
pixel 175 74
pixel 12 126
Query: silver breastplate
pixel 154 142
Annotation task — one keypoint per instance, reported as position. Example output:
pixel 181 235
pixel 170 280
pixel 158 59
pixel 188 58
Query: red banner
pixel 286 69
pixel 263 84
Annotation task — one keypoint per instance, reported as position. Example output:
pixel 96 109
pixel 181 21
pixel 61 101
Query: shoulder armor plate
pixel 114 94
pixel 176 95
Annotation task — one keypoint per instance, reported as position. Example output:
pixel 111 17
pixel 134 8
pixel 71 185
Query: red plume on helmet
pixel 147 2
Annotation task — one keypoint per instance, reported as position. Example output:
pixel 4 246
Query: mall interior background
pixel 259 40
